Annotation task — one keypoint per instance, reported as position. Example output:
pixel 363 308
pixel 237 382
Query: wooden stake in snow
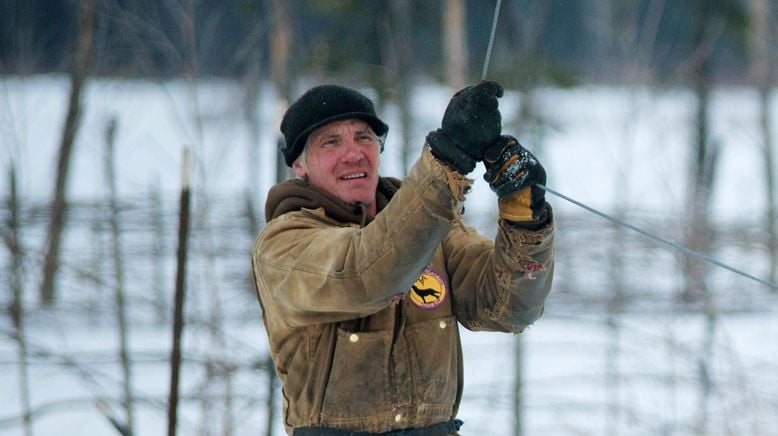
pixel 178 305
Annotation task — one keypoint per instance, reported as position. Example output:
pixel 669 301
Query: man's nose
pixel 352 151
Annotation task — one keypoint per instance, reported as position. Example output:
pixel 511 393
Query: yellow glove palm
pixel 516 206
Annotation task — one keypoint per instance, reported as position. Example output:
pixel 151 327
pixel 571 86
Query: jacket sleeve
pixel 508 288
pixel 310 269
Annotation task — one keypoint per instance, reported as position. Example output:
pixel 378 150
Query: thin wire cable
pixel 491 40
pixel 649 235
pixel 665 241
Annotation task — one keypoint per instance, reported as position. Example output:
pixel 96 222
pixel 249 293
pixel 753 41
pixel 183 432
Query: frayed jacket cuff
pixel 450 187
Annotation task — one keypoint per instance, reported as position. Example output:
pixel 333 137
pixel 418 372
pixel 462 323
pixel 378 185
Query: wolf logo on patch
pixel 429 291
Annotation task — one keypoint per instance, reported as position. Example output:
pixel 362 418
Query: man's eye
pixel 330 143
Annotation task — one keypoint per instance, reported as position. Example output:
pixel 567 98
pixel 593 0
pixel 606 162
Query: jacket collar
pixel 294 195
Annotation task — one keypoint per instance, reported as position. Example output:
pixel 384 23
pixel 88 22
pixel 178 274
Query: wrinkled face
pixel 342 158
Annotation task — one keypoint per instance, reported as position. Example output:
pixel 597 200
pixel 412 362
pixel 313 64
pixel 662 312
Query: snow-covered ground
pixel 600 139
pixel 583 372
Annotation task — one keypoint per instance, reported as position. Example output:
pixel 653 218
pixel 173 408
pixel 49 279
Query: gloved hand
pixel 513 172
pixel 471 123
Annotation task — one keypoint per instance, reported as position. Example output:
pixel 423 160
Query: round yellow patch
pixel 429 291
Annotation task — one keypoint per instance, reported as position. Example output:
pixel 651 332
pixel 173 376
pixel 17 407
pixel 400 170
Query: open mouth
pixel 353 176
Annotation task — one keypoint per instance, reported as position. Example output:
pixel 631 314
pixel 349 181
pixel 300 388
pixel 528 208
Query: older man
pixel 363 280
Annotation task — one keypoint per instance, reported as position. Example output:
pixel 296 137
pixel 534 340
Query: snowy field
pixel 655 369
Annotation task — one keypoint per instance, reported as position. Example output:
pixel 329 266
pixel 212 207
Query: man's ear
pixel 298 169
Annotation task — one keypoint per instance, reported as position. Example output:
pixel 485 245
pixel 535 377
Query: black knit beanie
pixel 321 105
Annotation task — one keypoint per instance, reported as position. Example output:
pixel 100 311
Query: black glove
pixel 471 123
pixel 513 173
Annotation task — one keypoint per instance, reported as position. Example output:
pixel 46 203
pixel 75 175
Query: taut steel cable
pixel 665 241
pixel 491 40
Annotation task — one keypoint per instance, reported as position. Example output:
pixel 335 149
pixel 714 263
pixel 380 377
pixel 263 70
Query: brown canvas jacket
pixel 363 321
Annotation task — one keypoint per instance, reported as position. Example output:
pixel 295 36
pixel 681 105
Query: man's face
pixel 342 158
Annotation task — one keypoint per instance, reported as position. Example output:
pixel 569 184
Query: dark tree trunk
pixel 81 62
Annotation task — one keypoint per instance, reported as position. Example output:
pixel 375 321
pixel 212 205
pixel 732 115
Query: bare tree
pixel 527 23
pixel 762 72
pixel 713 19
pixel 87 16
pixel 119 292
pixel 13 242
pixel 455 43
pixel 631 40
pixel 252 97
pixel 158 253
pixel 702 165
pixel 702 171
pixel 398 56
pixel 518 386
pixel 281 40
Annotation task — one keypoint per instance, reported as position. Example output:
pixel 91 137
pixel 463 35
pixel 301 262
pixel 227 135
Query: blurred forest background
pixel 112 271
pixel 564 41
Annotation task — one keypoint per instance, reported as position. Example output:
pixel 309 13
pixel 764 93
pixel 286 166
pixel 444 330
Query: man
pixel 363 280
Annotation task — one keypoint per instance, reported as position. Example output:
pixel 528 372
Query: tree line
pixel 562 42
